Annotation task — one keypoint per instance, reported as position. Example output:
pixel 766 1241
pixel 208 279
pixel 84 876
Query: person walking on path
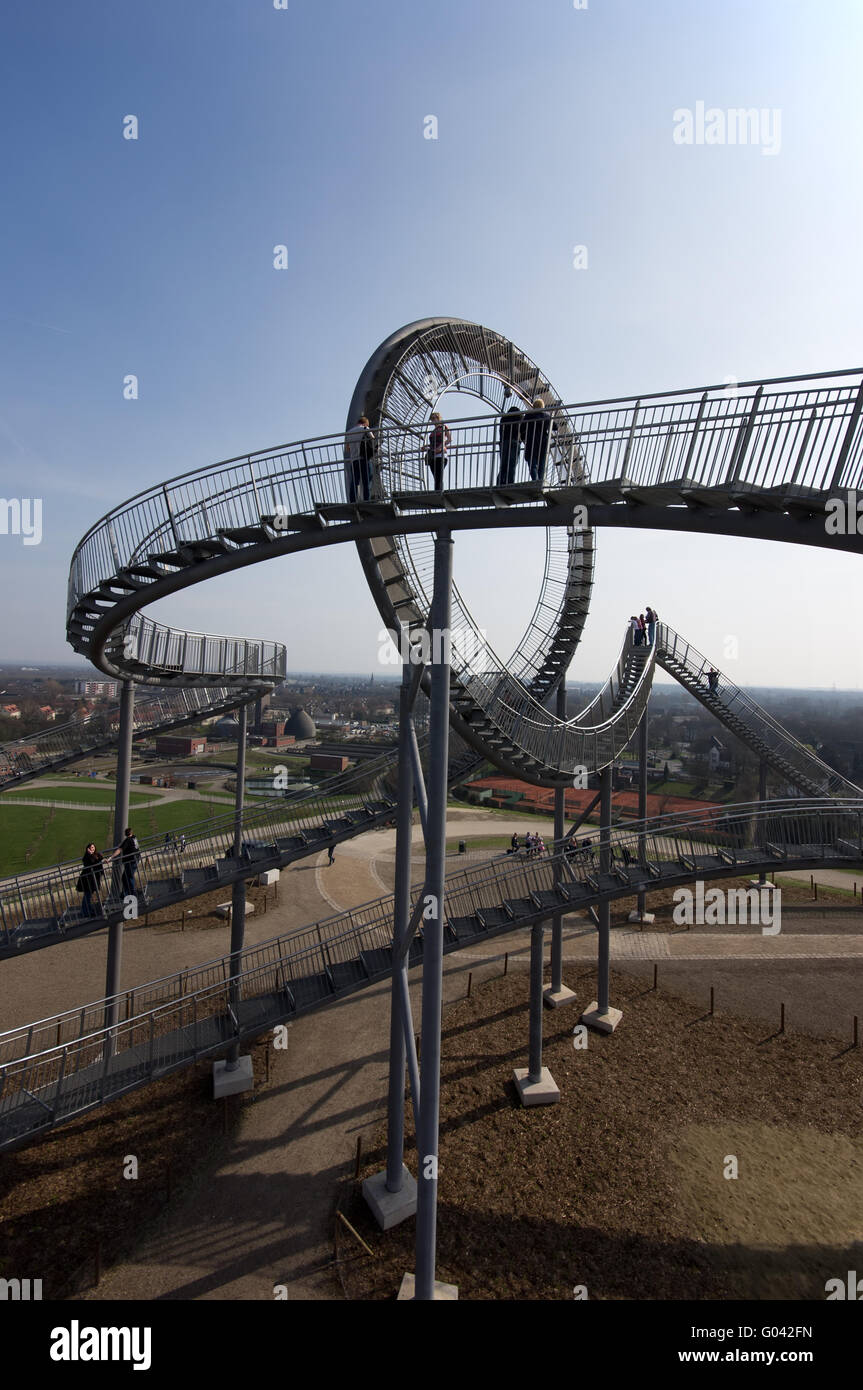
pixel 360 449
pixel 90 881
pixel 438 446
pixel 331 854
pixel 509 443
pixel 713 680
pixel 130 856
pixel 535 431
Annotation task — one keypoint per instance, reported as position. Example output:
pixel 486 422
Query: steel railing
pixel 747 719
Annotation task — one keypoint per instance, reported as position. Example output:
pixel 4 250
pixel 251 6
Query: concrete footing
pixel 556 998
pixel 603 1022
pixel 390 1208
pixel 443 1293
pixel 756 883
pixel 542 1092
pixel 645 918
pixel 232 1083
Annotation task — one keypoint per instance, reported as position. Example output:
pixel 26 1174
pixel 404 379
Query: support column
pixel 234 1074
pixel 762 880
pixel 535 1083
pixel 558 993
pixel 600 1014
pixel 392 1194
pixel 121 820
pixel 641 914
pixel 425 1287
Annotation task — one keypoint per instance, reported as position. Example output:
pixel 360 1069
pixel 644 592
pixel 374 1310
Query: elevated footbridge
pixel 763 461
pixel 60 1067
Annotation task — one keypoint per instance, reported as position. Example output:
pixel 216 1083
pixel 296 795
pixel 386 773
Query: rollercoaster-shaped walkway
pixel 762 461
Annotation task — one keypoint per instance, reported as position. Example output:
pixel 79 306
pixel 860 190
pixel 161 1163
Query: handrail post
pixel 848 438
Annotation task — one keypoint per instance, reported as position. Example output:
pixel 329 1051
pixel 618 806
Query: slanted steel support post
pixel 238 892
pixel 433 923
pixel 121 820
pixel 401 914
pixel 419 779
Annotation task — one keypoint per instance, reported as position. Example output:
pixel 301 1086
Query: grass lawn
pixel 50 836
pixel 53 837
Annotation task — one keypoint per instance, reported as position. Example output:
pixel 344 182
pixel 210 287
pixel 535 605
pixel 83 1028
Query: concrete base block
pixel 225 909
pixel 645 918
pixel 755 883
pixel 555 999
pixel 389 1208
pixel 232 1083
pixel 602 1022
pixel 443 1293
pixel 542 1092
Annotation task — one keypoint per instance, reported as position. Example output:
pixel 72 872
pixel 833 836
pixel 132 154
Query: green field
pixel 86 795
pixel 54 837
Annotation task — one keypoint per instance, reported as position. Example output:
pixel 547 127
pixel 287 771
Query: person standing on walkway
pixel 650 615
pixel 535 431
pixel 130 855
pixel 509 443
pixel 90 881
pixel 360 449
pixel 438 447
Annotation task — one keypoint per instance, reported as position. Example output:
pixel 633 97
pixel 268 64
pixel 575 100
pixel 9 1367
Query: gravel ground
pixel 621 1188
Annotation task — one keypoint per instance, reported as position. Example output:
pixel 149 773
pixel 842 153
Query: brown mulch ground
pixel 66 1208
pixel 621 1187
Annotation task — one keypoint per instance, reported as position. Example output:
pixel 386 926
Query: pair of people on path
pixel 93 863
pixel 533 429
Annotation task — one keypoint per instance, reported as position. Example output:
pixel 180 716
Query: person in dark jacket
pixel 360 448
pixel 535 431
pixel 90 880
pixel 129 853
pixel 509 442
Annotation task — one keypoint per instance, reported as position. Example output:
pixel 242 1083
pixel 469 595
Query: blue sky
pixel 305 127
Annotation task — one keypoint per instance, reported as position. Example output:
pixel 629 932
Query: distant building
pixel 301 725
pixel 328 762
pixel 47 713
pixel 11 711
pixel 180 745
pixel 101 690
pixel 717 757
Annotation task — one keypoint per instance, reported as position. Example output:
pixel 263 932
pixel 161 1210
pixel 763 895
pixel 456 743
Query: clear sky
pixel 304 126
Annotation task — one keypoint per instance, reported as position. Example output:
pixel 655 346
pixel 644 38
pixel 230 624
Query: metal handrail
pixel 734 706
